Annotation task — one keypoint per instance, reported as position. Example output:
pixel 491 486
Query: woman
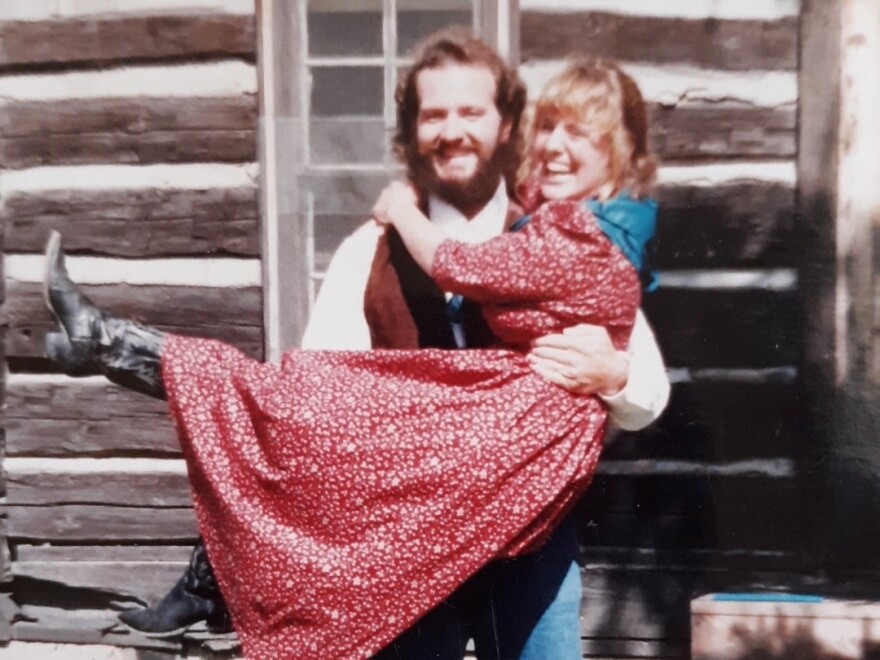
pixel 360 535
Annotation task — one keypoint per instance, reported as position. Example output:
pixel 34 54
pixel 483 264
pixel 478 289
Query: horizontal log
pixel 95 40
pixel 136 222
pixel 145 582
pixel 726 328
pixel 65 417
pixel 79 523
pixel 722 131
pixel 710 43
pixel 103 553
pixel 54 624
pixel 739 224
pixel 128 130
pixel 64 438
pixel 165 147
pixel 112 484
pixel 743 224
pixel 720 420
pixel 677 85
pixel 709 419
pixel 231 315
pixel 128 115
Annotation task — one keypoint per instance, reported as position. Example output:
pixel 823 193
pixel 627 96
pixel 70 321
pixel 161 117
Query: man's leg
pixel 439 635
pixel 529 608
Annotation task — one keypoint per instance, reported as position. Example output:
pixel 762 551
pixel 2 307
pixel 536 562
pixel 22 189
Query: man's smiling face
pixel 458 132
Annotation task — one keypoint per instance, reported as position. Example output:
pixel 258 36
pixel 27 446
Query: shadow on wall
pixel 800 644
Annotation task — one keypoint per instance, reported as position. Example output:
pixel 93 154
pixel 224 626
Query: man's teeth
pixel 557 169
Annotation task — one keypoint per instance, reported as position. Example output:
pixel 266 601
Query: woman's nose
pixel 556 139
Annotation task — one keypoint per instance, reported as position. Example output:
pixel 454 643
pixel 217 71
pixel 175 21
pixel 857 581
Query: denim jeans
pixel 527 608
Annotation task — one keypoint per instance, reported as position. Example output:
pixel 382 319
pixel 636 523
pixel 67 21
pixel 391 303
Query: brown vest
pixel 405 309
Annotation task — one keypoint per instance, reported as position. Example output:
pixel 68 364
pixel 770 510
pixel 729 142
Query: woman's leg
pixel 89 341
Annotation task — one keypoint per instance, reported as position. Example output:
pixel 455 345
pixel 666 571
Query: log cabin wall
pixel 130 126
pixel 132 130
pixel 710 496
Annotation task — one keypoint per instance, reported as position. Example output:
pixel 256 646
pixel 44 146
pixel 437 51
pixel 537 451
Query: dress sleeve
pixel 561 244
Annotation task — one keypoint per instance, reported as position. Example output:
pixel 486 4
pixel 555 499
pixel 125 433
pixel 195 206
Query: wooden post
pixel 281 50
pixel 839 211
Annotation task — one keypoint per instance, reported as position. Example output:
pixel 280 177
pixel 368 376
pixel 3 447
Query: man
pixel 458 135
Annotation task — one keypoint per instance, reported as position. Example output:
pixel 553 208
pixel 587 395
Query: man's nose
pixel 453 128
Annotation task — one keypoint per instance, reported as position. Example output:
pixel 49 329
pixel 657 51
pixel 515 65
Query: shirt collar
pixel 486 224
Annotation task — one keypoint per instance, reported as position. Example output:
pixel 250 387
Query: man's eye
pixel 431 116
pixel 473 113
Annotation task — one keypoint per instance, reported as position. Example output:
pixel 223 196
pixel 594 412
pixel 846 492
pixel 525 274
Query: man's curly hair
pixel 458 46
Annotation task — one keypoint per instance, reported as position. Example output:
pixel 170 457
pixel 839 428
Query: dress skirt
pixel 342 495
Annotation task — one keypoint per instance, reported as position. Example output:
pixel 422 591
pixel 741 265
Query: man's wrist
pixel 618 376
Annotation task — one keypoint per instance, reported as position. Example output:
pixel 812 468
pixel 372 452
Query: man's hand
pixel 396 202
pixel 582 360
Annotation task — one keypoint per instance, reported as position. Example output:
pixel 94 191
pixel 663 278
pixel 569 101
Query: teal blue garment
pixel 629 224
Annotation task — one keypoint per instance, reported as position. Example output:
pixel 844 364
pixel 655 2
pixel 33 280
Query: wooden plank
pixel 722 131
pixel 717 419
pixel 106 486
pixel 68 417
pixel 742 224
pixel 64 438
pixel 130 115
pixel 136 222
pixel 740 45
pixel 103 553
pixel 745 223
pixel 145 582
pixel 92 40
pixel 78 523
pixel 707 418
pixel 82 625
pixel 726 328
pixel 231 315
pixel 165 147
pixel 128 130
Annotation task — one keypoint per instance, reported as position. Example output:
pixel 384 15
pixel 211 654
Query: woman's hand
pixel 582 360
pixel 396 203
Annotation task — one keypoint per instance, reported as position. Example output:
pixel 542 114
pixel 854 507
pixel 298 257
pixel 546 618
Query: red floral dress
pixel 342 495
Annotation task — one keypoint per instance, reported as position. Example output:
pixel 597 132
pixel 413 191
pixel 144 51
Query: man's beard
pixel 468 193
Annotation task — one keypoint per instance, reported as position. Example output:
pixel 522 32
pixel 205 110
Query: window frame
pixel 283 146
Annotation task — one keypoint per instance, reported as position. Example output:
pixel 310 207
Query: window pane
pixel 345 27
pixel 416 20
pixel 346 90
pixel 337 140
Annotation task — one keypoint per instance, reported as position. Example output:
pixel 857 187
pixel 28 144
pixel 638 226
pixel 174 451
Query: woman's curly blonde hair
pixel 595 92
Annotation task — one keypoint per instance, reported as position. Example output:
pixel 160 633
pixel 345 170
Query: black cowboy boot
pixel 90 341
pixel 196 597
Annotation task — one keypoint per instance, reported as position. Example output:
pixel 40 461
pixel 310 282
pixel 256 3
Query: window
pixel 338 82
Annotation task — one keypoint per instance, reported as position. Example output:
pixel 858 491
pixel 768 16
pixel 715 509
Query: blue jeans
pixel 526 608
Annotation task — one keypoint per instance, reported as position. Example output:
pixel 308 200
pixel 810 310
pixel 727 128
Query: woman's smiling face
pixel 571 161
